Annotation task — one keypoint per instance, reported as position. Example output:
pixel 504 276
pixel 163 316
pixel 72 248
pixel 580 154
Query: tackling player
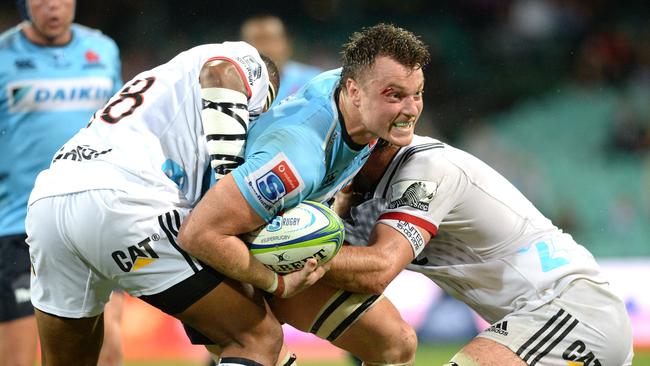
pixel 108 210
pixel 440 211
pixel 308 147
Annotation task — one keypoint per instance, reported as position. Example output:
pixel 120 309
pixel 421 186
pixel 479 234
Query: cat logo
pixel 136 257
pixel 578 355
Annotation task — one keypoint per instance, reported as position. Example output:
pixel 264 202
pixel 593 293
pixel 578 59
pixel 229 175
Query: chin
pixel 401 140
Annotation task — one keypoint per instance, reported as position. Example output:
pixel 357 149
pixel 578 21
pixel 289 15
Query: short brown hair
pixel 363 48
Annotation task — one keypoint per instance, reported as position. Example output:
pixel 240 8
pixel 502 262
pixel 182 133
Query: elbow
pixel 376 288
pixel 381 284
pixel 187 237
pixel 380 280
pixel 376 283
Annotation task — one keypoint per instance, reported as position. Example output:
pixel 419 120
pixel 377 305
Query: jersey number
pixel 128 96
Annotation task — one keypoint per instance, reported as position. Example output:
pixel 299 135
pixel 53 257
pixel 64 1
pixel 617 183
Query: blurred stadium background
pixel 553 93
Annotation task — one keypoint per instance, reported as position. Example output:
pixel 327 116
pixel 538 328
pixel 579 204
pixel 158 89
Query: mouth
pixel 404 124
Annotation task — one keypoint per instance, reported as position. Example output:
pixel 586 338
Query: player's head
pixel 274 81
pixel 383 79
pixel 49 20
pixel 267 33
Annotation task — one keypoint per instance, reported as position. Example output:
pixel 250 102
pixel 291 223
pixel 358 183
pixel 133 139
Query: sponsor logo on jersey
pixel 79 153
pixel 577 354
pixel 414 194
pixel 252 68
pixel 412 234
pixel 274 181
pixel 58 94
pixel 499 328
pixel 24 64
pixel 136 256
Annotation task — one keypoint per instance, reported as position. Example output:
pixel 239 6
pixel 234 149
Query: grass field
pixel 426 356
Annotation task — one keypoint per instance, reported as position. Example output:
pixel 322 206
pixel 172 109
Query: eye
pixel 394 96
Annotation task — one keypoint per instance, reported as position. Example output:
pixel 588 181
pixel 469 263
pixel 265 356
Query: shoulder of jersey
pixel 303 68
pixel 92 35
pixel 8 37
pixel 422 148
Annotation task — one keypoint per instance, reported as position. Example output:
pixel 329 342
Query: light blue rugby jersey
pixel 46 95
pixel 299 150
pixel 293 76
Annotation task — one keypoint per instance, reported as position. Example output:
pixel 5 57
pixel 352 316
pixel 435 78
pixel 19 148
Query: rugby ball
pixel 308 230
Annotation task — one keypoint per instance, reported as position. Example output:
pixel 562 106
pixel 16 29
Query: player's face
pixel 268 36
pixel 390 100
pixel 51 20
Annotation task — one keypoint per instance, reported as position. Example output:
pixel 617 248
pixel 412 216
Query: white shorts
pixel 83 245
pixel 586 324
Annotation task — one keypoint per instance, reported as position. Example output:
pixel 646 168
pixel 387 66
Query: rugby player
pixel 107 211
pixel 434 209
pixel 309 147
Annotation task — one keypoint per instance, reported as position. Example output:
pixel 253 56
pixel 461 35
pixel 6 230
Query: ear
pixel 353 90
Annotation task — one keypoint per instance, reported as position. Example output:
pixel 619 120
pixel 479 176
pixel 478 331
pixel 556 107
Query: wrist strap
pixel 279 291
pixel 277 287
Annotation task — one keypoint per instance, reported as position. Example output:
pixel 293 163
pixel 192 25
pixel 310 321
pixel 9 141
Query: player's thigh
pixel 67 341
pixel 84 245
pixel 236 318
pixel 367 325
pixel 485 352
pixel 568 329
pixel 63 283
pixel 380 335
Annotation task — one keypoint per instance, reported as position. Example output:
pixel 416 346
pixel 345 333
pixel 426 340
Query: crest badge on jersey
pixel 252 68
pixel 412 193
pixel 276 180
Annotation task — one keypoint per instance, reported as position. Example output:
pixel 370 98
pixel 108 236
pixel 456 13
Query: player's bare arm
pixel 222 74
pixel 210 234
pixel 370 269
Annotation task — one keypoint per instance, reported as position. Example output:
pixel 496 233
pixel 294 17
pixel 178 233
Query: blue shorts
pixel 14 278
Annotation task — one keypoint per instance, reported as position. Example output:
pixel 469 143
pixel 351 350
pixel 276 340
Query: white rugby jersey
pixel 151 131
pixel 490 247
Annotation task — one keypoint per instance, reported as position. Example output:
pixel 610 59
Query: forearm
pixel 369 269
pixel 230 256
pixel 360 269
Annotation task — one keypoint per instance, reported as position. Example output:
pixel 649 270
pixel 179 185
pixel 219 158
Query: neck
pixel 37 37
pixel 352 119
pixel 368 177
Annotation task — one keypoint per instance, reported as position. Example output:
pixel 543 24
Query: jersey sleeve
pixel 282 168
pixel 424 191
pixel 250 65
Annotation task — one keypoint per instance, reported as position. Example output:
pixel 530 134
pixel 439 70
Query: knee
pixel 396 348
pixel 267 339
pixel 404 345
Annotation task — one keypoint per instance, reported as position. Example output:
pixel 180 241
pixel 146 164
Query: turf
pixel 431 355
